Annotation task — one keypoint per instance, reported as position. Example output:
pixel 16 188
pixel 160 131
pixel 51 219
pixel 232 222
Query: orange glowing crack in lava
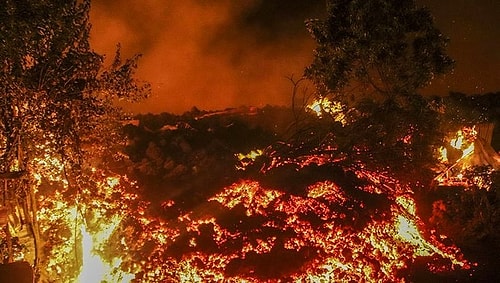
pixel 245 233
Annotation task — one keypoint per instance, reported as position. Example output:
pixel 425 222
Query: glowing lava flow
pixel 408 231
pixel 362 229
pixel 263 235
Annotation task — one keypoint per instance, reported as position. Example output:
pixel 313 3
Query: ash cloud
pixel 225 53
pixel 209 54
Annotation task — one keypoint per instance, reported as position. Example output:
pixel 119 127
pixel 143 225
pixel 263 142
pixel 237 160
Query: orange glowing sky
pixel 224 53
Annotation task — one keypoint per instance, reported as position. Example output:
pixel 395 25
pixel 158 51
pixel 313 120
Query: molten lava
pixel 247 232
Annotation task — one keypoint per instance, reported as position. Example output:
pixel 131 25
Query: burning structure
pixel 469 148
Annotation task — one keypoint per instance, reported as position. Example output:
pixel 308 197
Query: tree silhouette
pixel 373 56
pixel 375 49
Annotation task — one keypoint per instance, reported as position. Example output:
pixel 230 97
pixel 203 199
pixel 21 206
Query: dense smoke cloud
pixel 224 53
pixel 209 54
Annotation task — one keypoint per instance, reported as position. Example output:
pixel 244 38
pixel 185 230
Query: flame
pixel 333 108
pixel 468 151
pixel 463 141
pixel 443 154
pixel 94 267
pixel 251 155
pixel 247 159
pixel 458 141
pixel 78 231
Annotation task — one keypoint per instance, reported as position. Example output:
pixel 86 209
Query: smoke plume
pixel 209 54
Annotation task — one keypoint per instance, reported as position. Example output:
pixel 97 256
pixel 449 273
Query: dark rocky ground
pixel 188 158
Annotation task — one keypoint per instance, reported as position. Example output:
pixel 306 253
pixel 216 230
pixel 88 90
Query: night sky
pixel 225 53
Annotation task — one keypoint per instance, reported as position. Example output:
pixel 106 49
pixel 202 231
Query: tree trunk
pixel 35 227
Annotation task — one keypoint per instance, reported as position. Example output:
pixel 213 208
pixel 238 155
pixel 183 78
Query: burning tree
pixel 55 94
pixel 372 58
